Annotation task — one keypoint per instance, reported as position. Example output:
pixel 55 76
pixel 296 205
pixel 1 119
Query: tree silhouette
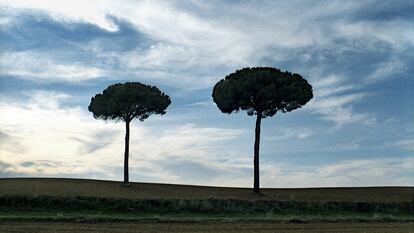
pixel 261 91
pixel 125 102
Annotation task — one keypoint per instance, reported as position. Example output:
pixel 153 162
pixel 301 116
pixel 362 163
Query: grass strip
pixel 201 205
pixel 202 218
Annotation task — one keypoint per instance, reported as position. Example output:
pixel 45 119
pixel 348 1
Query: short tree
pixel 261 91
pixel 125 102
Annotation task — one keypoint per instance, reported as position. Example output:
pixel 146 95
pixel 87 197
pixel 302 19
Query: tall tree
pixel 261 91
pixel 125 102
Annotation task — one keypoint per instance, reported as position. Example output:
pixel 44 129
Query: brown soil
pixel 8 227
pixel 112 189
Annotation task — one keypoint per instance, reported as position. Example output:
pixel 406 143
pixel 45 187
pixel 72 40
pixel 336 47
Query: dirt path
pixel 14 227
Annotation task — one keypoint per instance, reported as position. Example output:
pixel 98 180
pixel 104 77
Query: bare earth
pixel 7 227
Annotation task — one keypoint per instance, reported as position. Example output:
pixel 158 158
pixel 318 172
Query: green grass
pixel 48 203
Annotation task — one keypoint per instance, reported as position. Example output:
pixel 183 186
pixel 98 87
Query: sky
pixel 358 130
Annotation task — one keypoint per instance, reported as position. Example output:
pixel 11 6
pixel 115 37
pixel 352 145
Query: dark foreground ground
pixel 77 205
pixel 7 227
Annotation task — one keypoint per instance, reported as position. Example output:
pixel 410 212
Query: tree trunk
pixel 126 172
pixel 256 185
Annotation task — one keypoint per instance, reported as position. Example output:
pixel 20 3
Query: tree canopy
pixel 128 101
pixel 261 89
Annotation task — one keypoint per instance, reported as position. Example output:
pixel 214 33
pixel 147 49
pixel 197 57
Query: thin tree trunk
pixel 256 185
pixel 126 172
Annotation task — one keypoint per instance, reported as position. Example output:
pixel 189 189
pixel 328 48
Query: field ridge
pixel 67 187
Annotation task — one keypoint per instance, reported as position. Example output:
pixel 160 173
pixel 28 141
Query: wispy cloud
pixel 387 70
pixel 77 11
pixel 297 133
pixel 333 100
pixel 369 172
pixel 188 46
pixel 397 31
pixel 406 144
pixel 39 66
pixel 11 144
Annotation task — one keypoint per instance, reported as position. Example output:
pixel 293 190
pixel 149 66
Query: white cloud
pixel 43 127
pixel 40 66
pixel 46 99
pixel 5 22
pixel 187 141
pixel 348 173
pixel 354 145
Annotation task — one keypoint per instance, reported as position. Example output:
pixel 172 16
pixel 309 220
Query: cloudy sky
pixel 358 55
